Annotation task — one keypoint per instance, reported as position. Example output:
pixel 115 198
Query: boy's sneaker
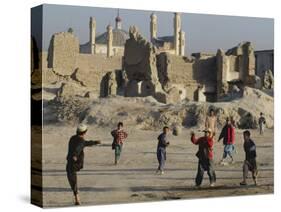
pixel 161 172
pixel 77 200
pixel 223 163
pixel 212 185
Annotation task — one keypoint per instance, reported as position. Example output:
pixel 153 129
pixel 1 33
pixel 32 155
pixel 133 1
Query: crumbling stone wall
pixel 139 57
pixel 187 75
pixel 63 52
pixel 87 69
pixel 140 66
pixel 93 68
pixel 237 64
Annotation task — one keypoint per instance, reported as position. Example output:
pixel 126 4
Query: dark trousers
pixel 161 157
pixel 205 166
pixel 250 165
pixel 72 178
pixel 118 150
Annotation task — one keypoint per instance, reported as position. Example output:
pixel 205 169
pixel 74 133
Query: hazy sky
pixel 204 33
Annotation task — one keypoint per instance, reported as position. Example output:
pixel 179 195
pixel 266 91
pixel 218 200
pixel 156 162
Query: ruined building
pixel 118 62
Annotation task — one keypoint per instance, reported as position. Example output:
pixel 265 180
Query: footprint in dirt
pixel 135 195
pixel 171 198
pixel 147 195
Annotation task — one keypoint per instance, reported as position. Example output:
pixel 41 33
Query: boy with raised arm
pixel 205 157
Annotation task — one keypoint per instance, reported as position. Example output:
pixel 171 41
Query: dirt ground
pixel 134 179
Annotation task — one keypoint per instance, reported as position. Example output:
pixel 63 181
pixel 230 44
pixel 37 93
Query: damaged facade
pixel 120 62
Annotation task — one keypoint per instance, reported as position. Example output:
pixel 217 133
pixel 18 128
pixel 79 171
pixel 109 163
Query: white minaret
pixel 92 35
pixel 153 26
pixel 182 43
pixel 177 28
pixel 109 41
pixel 118 21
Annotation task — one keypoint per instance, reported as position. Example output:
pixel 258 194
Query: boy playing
pixel 119 136
pixel 261 123
pixel 205 156
pixel 75 157
pixel 211 122
pixel 228 135
pixel 250 163
pixel 161 149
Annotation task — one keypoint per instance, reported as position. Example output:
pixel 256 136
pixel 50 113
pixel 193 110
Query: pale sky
pixel 204 33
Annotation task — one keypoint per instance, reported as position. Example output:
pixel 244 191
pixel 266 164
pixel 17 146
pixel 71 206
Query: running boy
pixel 119 136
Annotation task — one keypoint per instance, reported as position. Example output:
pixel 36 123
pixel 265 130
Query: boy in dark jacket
pixel 228 135
pixel 119 136
pixel 75 158
pixel 205 156
pixel 161 149
pixel 250 163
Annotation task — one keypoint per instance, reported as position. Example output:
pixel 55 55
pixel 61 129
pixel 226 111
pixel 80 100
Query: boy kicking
pixel 75 157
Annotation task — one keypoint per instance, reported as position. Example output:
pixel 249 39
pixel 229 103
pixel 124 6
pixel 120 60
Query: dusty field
pixel 134 179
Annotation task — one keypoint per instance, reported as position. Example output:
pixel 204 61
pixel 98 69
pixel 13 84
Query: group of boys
pixel 77 143
pixel 205 153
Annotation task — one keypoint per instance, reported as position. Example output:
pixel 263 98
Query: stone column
pixel 177 27
pixel 153 26
pixel 92 35
pixel 222 69
pixel 182 43
pixel 109 41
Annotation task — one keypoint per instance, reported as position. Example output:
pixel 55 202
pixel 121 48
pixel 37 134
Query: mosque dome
pixel 119 37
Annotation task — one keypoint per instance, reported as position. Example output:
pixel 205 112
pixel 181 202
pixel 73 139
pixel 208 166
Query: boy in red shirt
pixel 228 135
pixel 205 156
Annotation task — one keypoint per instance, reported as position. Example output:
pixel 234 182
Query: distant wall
pixel 88 69
pixel 187 75
pixel 264 61
pixel 92 68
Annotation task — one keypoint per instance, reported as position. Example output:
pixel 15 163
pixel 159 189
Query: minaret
pixel 177 28
pixel 153 26
pixel 182 43
pixel 92 35
pixel 118 21
pixel 109 41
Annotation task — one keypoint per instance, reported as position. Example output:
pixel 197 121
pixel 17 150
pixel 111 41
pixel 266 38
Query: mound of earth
pixel 148 114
